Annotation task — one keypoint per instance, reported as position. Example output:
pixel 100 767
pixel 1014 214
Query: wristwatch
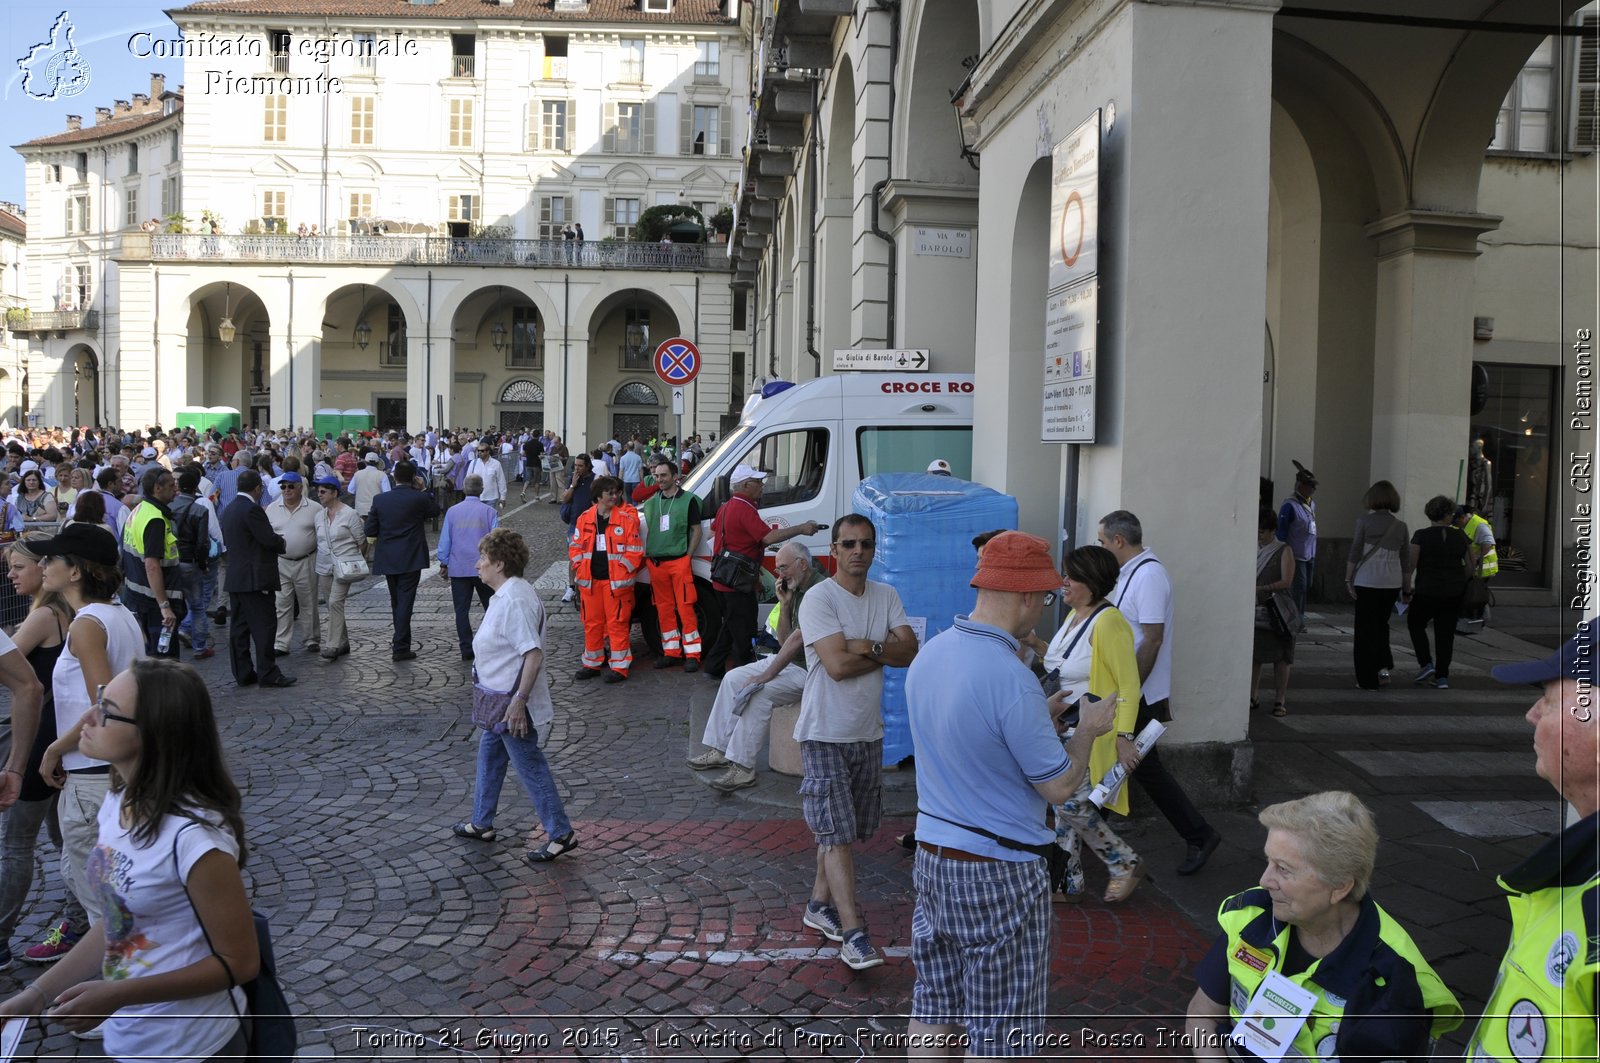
pixel 877 649
pixel 1125 734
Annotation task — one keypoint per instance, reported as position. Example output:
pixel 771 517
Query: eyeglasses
pixel 1050 598
pixel 851 544
pixel 100 704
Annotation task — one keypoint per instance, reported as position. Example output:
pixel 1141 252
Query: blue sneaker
pixel 1442 683
pixel 1424 675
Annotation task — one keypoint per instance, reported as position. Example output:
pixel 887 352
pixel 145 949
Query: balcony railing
pixel 55 321
pixel 462 66
pixel 426 250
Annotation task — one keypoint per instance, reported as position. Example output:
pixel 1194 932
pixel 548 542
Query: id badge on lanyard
pixel 1274 1017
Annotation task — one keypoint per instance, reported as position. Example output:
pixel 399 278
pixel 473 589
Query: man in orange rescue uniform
pixel 606 552
pixel 672 532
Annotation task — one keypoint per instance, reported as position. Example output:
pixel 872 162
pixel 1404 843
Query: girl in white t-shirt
pixel 176 935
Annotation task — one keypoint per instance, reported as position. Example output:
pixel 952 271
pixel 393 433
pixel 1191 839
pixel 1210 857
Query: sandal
pixel 1280 709
pixel 1122 886
pixel 553 848
pixel 468 829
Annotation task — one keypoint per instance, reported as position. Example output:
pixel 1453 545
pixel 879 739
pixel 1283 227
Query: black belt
pixel 302 557
pixel 104 769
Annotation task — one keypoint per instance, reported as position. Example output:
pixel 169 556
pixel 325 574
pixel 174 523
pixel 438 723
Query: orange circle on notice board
pixel 1070 259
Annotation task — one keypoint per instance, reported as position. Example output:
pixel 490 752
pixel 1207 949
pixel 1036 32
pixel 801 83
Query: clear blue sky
pixel 102 29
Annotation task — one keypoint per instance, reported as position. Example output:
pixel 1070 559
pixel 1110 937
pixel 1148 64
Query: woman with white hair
pixel 1313 923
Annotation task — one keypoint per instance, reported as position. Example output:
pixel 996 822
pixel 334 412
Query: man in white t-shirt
pixel 853 628
pixel 1143 594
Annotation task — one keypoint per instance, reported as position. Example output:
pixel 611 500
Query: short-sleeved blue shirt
pixel 983 738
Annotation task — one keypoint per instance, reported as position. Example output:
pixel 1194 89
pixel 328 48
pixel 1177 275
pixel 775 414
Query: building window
pixel 83 166
pixel 176 143
pixel 362 109
pixel 740 310
pixel 630 57
pixel 708 60
pixel 275 210
pixel 555 129
pixel 280 50
pixel 623 215
pixel 555 59
pixel 78 293
pixel 77 214
pixel 360 208
pixel 524 350
pixel 366 52
pixel 130 215
pixel 463 55
pixel 133 158
pixel 637 350
pixel 1525 122
pixel 275 126
pixel 1586 115
pixel 625 129
pixel 555 212
pixel 705 131
pixel 171 195
pixel 460 124
pixel 463 208
pixel 522 391
pixel 656 7
pixel 52 174
pixel 393 350
pixel 636 393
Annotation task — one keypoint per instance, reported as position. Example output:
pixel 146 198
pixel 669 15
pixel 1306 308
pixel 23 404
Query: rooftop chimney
pixel 122 108
pixel 74 121
pixel 158 85
pixel 102 114
pixel 141 102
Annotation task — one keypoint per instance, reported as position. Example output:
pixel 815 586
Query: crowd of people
pixel 1012 733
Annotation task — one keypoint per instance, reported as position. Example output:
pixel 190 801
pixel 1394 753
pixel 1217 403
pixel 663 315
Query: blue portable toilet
pixel 925 527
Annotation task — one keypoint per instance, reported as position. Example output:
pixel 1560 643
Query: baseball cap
pixel 91 542
pixel 328 481
pixel 1575 660
pixel 1017 562
pixel 291 478
pixel 373 459
pixel 28 466
pixel 939 467
pixel 148 452
pixel 741 473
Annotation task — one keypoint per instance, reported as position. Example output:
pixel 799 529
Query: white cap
pixel 29 466
pixel 939 467
pixel 741 473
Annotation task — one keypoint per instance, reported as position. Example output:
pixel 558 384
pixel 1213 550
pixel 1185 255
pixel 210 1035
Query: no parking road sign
pixel 677 361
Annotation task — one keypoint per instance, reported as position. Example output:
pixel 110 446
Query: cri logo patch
pixel 1561 956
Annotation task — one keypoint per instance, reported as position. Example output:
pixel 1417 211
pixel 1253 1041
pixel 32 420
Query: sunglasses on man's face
pixel 851 544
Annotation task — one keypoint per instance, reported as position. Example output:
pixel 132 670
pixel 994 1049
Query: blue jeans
pixel 198 590
pixel 495 751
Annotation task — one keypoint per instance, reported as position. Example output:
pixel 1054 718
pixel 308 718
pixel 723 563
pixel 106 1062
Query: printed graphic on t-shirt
pixel 108 872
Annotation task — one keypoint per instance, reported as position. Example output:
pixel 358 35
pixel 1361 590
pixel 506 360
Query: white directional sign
pixel 881 361
pixel 677 400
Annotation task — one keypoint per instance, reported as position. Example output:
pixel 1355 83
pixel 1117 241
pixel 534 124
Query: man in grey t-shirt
pixel 853 628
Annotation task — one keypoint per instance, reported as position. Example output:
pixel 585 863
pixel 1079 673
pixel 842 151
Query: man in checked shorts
pixel 853 628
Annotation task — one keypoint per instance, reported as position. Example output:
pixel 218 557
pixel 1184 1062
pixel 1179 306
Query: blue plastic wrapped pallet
pixel 925 527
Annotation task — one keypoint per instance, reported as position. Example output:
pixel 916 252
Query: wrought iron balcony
pixel 400 250
pixel 42 321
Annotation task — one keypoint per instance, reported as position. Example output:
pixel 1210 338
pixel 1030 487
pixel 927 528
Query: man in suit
pixel 395 524
pixel 252 583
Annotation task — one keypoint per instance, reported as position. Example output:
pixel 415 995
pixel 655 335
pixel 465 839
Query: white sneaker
pixel 568 596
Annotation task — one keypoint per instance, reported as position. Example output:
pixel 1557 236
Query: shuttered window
pixel 629 129
pixel 705 130
pixel 1586 118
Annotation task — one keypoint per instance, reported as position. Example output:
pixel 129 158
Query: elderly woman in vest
pixel 1313 923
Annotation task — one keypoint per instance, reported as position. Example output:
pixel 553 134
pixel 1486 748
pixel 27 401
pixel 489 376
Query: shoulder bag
pixel 351 569
pixel 1051 681
pixel 1056 858
pixel 736 570
pixel 269 1033
pixel 488 706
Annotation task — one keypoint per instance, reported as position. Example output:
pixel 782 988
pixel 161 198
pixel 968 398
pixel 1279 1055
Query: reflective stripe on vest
pixel 623 546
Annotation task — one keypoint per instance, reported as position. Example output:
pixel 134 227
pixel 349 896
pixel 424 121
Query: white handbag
pixel 350 569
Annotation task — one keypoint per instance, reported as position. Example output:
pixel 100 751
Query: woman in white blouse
pixel 1377 573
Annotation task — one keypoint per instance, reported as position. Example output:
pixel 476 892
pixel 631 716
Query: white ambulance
pixel 818 440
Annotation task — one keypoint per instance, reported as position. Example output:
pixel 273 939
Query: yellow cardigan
pixel 1113 666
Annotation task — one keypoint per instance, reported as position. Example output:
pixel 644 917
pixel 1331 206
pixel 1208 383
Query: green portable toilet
pixel 204 418
pixel 193 417
pixel 358 420
pixel 325 421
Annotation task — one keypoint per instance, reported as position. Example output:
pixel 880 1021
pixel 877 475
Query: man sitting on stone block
pixel 738 724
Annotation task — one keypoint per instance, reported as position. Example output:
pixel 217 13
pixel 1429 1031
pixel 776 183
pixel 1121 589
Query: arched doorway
pixel 10 406
pixel 520 406
pixel 85 387
pixel 498 335
pixel 227 351
pixel 636 407
pixel 364 353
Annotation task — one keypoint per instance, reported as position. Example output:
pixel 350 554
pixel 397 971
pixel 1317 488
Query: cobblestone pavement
pixel 674 930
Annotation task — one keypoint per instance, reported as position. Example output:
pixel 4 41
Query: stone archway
pixel 85 397
pixel 520 406
pixel 635 407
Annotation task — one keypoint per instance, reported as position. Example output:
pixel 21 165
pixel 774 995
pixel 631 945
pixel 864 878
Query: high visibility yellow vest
pixel 1543 1003
pixel 1376 971
pixel 133 550
pixel 1489 563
